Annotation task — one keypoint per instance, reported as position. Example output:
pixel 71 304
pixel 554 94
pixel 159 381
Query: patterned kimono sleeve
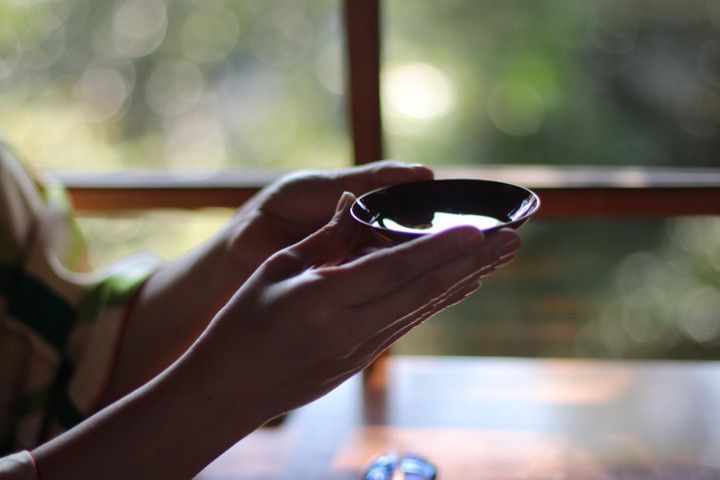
pixel 96 335
pixel 68 320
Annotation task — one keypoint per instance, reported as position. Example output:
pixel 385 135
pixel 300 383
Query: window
pixel 611 109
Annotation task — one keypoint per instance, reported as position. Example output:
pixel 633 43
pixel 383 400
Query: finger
pixel 504 261
pixel 381 174
pixel 381 342
pixel 455 254
pixel 328 246
pixel 430 286
pixel 464 287
pixel 353 359
pixel 385 270
pixel 375 346
pixel 454 295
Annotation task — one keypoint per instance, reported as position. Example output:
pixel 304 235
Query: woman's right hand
pixel 305 321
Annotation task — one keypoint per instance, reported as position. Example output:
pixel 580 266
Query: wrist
pixel 178 422
pixel 231 376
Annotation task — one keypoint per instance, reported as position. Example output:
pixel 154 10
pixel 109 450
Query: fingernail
pixel 471 287
pixel 345 200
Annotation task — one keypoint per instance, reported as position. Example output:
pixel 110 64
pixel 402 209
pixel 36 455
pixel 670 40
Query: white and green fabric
pixel 60 324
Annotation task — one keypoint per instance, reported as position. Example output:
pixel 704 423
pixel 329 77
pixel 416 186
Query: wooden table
pixel 500 419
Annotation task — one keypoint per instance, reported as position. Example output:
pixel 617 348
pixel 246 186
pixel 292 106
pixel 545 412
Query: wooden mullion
pixel 362 34
pixel 565 192
pixel 557 203
pixel 89 199
pixel 625 203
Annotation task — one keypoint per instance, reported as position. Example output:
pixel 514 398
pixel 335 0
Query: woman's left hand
pixel 297 205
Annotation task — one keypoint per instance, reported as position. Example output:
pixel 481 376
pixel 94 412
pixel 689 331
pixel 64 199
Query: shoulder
pixel 14 170
pixel 21 198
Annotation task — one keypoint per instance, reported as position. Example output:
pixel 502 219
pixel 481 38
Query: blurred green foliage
pixel 235 84
pixel 616 82
pixel 564 82
pixel 181 85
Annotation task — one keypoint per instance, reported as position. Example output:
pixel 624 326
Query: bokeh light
pixel 701 315
pixel 283 36
pixel 614 26
pixel 139 27
pixel 174 87
pixel 516 109
pixel 195 139
pixel 209 33
pixel 709 62
pixel 328 68
pixel 418 91
pixel 103 91
pixel 698 110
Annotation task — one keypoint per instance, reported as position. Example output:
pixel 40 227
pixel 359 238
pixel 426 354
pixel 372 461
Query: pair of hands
pixel 308 318
pixel 301 314
pixel 180 299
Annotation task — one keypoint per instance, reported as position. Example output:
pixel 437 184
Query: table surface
pixel 497 418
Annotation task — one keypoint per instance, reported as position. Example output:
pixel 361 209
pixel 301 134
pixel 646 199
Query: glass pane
pixel 617 289
pixel 619 82
pixel 593 289
pixel 180 85
pixel 166 234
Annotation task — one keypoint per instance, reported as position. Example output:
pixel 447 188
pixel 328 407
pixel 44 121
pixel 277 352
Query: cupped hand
pixel 299 204
pixel 307 320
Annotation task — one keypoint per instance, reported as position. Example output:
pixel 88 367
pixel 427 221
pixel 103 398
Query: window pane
pixel 180 85
pixel 166 234
pixel 596 289
pixel 620 82
pixel 575 290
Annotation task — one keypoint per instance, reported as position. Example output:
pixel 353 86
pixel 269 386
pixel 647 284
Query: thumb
pixel 330 245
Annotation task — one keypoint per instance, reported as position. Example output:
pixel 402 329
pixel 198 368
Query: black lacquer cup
pixel 406 211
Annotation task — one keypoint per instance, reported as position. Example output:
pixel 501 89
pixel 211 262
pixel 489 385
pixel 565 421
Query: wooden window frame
pixel 565 192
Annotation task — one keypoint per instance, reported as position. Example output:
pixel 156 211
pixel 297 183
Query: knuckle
pixel 282 259
pixel 300 175
pixel 383 165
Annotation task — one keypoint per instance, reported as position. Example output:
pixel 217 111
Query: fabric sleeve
pixel 98 331
pixel 71 317
pixel 19 466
